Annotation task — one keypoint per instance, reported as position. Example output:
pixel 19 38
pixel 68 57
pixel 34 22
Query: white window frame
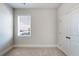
pixel 19 27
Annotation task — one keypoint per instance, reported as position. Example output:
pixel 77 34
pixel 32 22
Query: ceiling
pixel 34 5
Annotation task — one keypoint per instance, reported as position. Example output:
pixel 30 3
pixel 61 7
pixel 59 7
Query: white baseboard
pixel 35 45
pixel 5 51
pixel 62 50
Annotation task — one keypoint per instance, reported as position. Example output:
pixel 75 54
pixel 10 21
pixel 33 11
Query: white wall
pixel 6 28
pixel 68 25
pixel 43 27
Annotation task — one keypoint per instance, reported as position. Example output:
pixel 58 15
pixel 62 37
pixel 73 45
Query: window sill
pixel 28 36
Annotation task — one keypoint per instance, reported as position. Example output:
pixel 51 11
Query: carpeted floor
pixel 35 52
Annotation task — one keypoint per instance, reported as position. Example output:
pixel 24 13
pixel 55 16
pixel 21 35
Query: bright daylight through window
pixel 24 25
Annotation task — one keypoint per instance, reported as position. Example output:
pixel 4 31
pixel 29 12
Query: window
pixel 24 25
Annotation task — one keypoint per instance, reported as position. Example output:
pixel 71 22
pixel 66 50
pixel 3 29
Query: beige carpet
pixel 35 52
